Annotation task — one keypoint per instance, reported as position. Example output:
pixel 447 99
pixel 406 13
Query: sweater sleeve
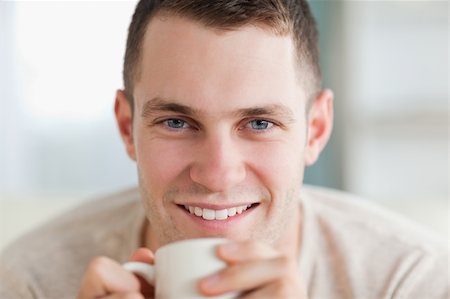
pixel 13 283
pixel 428 280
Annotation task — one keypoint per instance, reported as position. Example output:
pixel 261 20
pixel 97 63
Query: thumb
pixel 143 255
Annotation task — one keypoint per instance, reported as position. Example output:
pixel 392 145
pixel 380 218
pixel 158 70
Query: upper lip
pixel 215 206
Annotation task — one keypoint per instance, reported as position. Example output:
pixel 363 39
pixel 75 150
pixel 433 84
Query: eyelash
pixel 247 125
pixel 165 122
pixel 270 125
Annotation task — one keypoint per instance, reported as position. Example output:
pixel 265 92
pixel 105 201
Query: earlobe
pixel 320 125
pixel 124 119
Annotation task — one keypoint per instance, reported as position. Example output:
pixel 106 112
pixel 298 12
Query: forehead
pixel 249 66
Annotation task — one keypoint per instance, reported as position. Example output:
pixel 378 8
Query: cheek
pixel 160 163
pixel 280 166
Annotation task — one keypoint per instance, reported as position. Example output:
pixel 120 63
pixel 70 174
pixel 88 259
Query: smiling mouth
pixel 223 214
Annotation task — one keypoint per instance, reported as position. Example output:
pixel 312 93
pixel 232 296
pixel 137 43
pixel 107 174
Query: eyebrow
pixel 270 110
pixel 159 104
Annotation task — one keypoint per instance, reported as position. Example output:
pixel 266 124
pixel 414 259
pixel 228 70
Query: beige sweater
pixel 350 249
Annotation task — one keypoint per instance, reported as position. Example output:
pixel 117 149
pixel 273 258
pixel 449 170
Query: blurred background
pixel 61 62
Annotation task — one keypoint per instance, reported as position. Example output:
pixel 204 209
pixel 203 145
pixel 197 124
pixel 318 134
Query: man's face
pixel 219 132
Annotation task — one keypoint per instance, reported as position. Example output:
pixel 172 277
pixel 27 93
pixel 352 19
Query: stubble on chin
pixel 159 229
pixel 282 219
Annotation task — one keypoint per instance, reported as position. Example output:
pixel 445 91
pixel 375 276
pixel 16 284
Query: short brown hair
pixel 282 17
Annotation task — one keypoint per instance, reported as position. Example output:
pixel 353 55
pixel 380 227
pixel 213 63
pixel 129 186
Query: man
pixel 222 110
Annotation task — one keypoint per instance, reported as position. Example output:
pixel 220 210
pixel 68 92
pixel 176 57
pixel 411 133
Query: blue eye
pixel 260 124
pixel 175 123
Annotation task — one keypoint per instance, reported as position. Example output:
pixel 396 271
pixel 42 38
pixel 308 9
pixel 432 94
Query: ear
pixel 320 125
pixel 124 119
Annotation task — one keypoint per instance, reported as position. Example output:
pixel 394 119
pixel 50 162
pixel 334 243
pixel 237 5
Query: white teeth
pixel 209 214
pixel 198 211
pixel 222 214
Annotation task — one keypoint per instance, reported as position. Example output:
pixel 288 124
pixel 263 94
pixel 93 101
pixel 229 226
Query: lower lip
pixel 217 225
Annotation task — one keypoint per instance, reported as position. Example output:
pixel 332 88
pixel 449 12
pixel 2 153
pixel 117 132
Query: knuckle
pixel 98 264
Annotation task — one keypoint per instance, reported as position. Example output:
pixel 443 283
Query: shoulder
pixel 61 248
pixel 359 215
pixel 373 251
pixel 89 220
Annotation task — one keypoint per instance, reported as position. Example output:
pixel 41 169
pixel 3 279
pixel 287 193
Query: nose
pixel 219 165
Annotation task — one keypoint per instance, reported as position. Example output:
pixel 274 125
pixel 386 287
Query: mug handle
pixel 144 270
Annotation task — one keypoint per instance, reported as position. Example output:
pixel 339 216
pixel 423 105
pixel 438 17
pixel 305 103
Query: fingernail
pixel 210 281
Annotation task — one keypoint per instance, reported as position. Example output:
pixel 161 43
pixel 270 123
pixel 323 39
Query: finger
pixel 235 252
pixel 133 295
pixel 277 289
pixel 246 276
pixel 144 255
pixel 105 276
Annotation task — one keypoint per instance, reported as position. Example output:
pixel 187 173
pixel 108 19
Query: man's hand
pixel 256 270
pixel 107 279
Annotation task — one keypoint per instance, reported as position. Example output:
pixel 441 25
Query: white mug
pixel 179 266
